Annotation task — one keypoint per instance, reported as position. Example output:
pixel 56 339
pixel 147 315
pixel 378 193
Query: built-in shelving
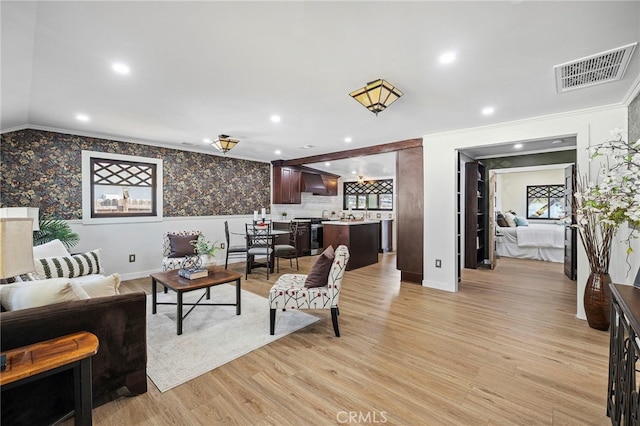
pixel 475 252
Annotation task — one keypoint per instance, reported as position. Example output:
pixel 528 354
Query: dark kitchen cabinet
pixel 286 185
pixel 331 184
pixel 361 238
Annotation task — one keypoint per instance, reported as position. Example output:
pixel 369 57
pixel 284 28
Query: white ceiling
pixel 369 167
pixel 199 69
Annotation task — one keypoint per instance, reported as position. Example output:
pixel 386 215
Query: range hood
pixel 313 183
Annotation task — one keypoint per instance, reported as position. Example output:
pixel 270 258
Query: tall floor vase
pixel 597 300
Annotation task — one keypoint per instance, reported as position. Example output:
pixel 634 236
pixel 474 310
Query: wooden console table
pixel 43 359
pixel 623 402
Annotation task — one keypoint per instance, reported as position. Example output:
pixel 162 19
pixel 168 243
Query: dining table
pixel 274 234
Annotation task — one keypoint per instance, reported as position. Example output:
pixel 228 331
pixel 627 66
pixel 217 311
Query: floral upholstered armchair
pixel 289 291
pixel 176 246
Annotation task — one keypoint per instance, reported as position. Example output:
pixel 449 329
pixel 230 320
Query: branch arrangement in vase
pixel 614 199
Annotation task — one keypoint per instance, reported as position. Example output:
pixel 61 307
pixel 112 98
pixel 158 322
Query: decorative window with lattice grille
pixel 368 195
pixel 545 202
pixel 121 186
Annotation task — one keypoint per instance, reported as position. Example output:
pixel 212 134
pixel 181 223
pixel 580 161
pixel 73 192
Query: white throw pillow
pixel 511 219
pixel 39 293
pixel 53 248
pixel 108 286
pixel 69 266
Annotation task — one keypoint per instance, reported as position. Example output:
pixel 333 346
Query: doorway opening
pixel 501 177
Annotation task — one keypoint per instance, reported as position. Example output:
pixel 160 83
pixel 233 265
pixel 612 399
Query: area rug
pixel 212 335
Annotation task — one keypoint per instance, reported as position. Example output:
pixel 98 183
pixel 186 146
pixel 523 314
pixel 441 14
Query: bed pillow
pixel 69 266
pixel 319 274
pixel 502 222
pixel 510 218
pixel 39 293
pixel 521 221
pixel 180 245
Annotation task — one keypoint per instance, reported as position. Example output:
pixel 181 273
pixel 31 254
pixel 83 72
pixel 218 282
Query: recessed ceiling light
pixel 557 141
pixel 121 68
pixel 277 152
pixel 348 139
pixel 518 146
pixel 307 146
pixel 327 164
pixel 353 172
pixel 488 110
pixel 206 140
pixel 82 117
pixel 275 118
pixel 447 58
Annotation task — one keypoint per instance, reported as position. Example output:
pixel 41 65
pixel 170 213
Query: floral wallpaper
pixel 44 169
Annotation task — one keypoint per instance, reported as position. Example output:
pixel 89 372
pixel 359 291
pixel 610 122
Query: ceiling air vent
pixel 595 69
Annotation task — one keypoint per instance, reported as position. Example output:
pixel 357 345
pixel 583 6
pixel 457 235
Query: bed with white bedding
pixel 536 241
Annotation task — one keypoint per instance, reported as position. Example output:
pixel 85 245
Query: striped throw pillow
pixel 69 266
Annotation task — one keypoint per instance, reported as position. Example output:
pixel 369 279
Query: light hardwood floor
pixel 506 349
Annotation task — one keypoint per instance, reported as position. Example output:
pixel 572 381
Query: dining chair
pixel 264 222
pixel 289 250
pixel 235 250
pixel 259 243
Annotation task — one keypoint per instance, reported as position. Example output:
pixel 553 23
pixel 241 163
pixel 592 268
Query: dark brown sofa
pixel 119 322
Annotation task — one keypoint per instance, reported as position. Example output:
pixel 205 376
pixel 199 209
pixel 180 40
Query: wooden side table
pixel 33 362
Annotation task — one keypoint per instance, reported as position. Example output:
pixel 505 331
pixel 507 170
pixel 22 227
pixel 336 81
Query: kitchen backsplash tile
pixel 314 205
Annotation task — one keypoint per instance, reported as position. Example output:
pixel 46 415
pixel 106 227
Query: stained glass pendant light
pixel 224 143
pixel 376 95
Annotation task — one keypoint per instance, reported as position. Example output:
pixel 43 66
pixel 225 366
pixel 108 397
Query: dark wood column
pixel 410 215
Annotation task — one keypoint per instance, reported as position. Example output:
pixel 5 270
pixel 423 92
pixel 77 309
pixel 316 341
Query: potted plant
pixel 204 247
pixel 601 208
pixel 55 229
pixel 284 215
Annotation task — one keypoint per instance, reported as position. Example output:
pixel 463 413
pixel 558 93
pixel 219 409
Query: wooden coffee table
pixel 171 280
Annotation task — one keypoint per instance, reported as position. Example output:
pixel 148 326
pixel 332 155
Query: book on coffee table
pixel 193 274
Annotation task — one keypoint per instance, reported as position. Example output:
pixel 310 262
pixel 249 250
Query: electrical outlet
pixel 132 258
pixel 222 246
pixel 438 263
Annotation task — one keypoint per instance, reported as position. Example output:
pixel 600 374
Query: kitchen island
pixel 361 237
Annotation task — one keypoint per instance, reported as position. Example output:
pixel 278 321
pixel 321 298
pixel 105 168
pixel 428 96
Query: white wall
pixel 590 127
pixel 119 240
pixel 511 188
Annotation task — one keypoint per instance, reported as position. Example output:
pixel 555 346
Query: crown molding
pixel 634 90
